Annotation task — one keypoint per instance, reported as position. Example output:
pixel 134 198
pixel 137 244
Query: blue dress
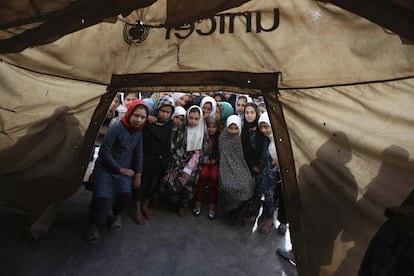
pixel 120 148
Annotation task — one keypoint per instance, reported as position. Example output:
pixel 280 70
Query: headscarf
pixel 252 152
pixel 131 108
pixel 264 118
pixel 177 95
pixel 162 101
pixel 179 111
pixel 208 99
pixel 195 134
pixel 150 103
pixel 226 109
pixel 254 123
pixel 234 119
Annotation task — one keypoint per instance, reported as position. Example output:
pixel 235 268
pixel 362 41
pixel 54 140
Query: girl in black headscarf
pixel 252 141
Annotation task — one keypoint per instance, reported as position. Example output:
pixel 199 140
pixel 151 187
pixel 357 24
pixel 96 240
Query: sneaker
pixel 211 214
pixel 196 212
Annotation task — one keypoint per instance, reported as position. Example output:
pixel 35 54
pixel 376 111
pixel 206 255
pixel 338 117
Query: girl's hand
pixel 256 169
pixel 185 177
pixel 275 162
pixel 136 183
pixel 127 172
pixel 152 119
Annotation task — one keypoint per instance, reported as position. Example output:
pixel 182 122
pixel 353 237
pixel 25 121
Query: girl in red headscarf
pixel 118 167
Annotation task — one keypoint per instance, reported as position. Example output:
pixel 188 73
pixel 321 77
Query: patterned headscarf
pixel 131 108
pixel 162 101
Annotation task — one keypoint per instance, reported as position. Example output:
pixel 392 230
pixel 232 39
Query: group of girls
pixel 186 144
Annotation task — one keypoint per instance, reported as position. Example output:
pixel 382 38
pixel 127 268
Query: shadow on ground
pixel 167 245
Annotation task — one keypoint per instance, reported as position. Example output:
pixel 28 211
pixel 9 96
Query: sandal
pixel 139 219
pixel 115 225
pixel 285 254
pixel 92 235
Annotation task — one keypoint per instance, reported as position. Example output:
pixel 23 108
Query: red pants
pixel 206 171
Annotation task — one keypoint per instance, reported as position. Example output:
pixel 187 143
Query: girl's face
pixel 193 118
pixel 262 109
pixel 233 129
pixel 250 114
pixel 178 120
pixel 207 107
pixel 129 98
pixel 265 129
pixel 164 112
pixel 182 101
pixel 115 103
pixel 241 103
pixel 212 129
pixel 138 117
pixel 218 113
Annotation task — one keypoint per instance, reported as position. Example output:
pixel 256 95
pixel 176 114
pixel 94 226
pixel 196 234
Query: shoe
pixel 281 229
pixel 196 212
pixel 285 254
pixel 92 235
pixel 211 214
pixel 115 225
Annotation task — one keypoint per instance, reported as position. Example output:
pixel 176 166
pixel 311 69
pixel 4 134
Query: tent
pixel 337 78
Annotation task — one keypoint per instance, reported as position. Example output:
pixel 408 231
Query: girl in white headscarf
pixel 208 105
pixel 235 180
pixel 182 175
pixel 180 98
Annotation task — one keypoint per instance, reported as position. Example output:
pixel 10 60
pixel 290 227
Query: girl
pixel 119 165
pixel 271 183
pixel 157 156
pixel 223 111
pixel 209 168
pixel 182 175
pixel 126 99
pixel 180 99
pixel 252 141
pixel 235 179
pixel 208 105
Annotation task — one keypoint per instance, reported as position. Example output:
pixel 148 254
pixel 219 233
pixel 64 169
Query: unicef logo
pixel 135 33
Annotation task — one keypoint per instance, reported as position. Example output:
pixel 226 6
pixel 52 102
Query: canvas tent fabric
pixel 339 88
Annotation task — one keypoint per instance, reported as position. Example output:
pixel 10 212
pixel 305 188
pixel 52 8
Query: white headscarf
pixel 179 111
pixel 234 119
pixel 264 118
pixel 195 134
pixel 177 95
pixel 208 99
